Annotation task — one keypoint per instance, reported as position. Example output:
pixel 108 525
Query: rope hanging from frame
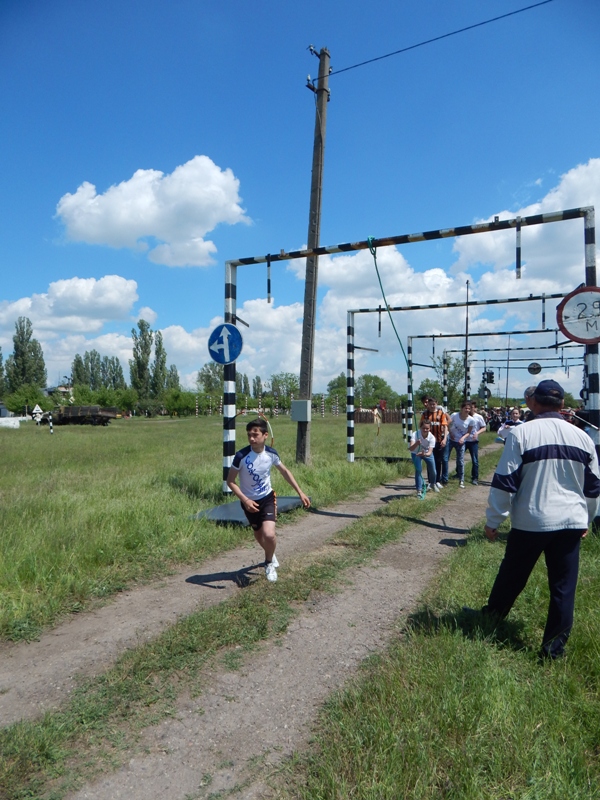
pixel 373 251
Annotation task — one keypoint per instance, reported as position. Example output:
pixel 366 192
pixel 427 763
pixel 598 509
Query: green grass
pixel 87 511
pixel 98 728
pixel 460 709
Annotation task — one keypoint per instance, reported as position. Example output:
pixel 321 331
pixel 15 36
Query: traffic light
pixel 488 376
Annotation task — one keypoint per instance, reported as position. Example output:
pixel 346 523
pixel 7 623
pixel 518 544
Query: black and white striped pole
pixel 409 388
pixel 445 380
pixel 350 388
pixel 229 406
pixel 591 350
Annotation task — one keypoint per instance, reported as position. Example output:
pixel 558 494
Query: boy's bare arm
pixel 294 484
pixel 250 505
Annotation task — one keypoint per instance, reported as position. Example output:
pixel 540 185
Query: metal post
pixel 445 380
pixel 229 379
pixel 350 389
pixel 591 350
pixel 466 391
pixel 518 255
pixel 409 382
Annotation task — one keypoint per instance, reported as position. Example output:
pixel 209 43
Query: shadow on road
pixel 242 578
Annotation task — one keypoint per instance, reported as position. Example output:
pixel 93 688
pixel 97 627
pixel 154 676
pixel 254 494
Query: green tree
pixel 370 389
pixel 337 386
pixel 239 383
pixel 284 384
pixel 92 361
pixel 26 364
pixel 172 381
pixel 246 386
pixel 430 388
pixel 158 380
pixel 456 379
pixel 180 403
pixel 256 387
pixel 126 399
pixel 78 373
pixel 112 373
pixel 210 378
pixel 26 397
pixel 139 366
pixel 83 395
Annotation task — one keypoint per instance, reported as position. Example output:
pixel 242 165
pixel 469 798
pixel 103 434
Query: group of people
pixel 438 435
pixel 547 481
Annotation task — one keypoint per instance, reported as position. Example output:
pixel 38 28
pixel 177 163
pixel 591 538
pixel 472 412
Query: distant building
pixel 58 392
pixel 4 412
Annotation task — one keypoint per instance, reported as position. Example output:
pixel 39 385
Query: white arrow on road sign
pixel 225 344
pixel 222 348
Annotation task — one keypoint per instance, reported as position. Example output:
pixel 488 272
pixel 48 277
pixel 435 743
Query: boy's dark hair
pixel 258 423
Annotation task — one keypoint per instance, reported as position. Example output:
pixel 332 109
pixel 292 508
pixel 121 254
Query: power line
pixel 443 36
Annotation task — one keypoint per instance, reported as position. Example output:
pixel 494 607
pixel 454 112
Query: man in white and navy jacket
pixel 548 481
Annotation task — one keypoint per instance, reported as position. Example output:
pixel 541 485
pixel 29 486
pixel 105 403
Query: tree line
pixel 94 379
pixel 155 387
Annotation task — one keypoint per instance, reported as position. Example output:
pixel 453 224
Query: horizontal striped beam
pixel 511 360
pixel 444 233
pixel 504 349
pixel 486 333
pixel 463 304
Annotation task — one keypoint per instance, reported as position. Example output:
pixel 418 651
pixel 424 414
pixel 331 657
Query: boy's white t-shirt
pixel 426 443
pixel 458 426
pixel 255 470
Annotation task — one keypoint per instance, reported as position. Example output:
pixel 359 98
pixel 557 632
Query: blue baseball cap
pixel 549 388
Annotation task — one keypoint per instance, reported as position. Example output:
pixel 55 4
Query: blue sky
pixel 145 143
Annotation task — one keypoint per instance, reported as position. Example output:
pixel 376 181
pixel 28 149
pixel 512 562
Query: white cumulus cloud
pixel 166 215
pixel 75 304
pixel 553 253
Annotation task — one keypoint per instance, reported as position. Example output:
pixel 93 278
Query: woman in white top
pixel 421 447
pixel 511 422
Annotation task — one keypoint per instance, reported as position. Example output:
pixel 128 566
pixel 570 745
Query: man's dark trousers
pixel 561 552
pixel 441 453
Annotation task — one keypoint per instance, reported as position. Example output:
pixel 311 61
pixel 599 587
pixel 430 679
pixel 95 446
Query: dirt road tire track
pixel 237 722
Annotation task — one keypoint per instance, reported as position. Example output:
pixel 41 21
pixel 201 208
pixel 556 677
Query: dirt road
pixel 238 729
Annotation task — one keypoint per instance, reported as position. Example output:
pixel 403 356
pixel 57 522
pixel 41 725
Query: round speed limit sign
pixel 578 315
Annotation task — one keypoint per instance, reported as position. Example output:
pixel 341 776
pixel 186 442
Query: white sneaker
pixel 461 485
pixel 271 572
pixel 434 487
pixel 439 485
pixel 275 562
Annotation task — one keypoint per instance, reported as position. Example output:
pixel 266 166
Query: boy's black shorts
pixel 267 510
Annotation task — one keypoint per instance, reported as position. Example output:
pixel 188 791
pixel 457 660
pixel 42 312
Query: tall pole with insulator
pixel 321 91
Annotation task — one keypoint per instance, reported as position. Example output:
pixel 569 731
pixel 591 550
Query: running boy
pixel 253 464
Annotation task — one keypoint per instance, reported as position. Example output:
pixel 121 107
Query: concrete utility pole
pixel 321 91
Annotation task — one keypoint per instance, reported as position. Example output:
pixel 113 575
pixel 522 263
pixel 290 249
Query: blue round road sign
pixel 225 344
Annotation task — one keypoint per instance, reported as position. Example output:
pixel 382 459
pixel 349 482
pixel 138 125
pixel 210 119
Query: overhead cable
pixel 443 36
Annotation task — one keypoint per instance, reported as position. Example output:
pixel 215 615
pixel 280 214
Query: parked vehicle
pixel 81 415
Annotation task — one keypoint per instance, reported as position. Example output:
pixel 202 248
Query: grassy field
pixel 86 511
pixel 98 728
pixel 453 709
pixel 458 709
